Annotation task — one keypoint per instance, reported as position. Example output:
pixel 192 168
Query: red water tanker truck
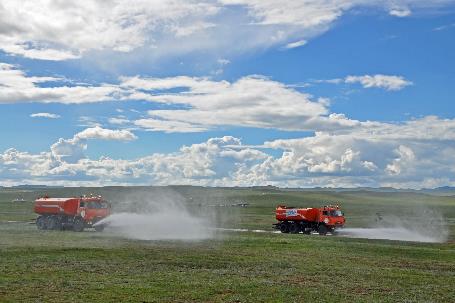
pixel 71 213
pixel 322 220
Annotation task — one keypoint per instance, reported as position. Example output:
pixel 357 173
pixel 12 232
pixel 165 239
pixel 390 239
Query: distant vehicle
pixel 71 213
pixel 19 200
pixel 322 220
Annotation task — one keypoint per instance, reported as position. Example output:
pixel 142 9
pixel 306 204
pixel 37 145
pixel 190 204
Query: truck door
pixel 325 217
pixel 82 206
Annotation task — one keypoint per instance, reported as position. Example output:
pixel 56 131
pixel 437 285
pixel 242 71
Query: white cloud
pixel 105 134
pixel 251 101
pixel 45 115
pixel 296 44
pixel 375 154
pixel 35 52
pixel 168 126
pixel 400 12
pixel 60 31
pixel 118 120
pixel 223 61
pixel 85 121
pixel 387 82
pixel 417 153
pixel 68 150
pixel 200 103
pixel 16 86
pixel 191 29
pixel 72 150
pixel 444 27
pixel 322 12
pixel 66 164
pixel 406 158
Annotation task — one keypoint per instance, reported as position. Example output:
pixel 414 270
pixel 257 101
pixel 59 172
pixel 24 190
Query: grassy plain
pixel 53 266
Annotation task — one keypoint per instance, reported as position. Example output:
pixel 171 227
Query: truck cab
pixel 331 217
pixel 93 210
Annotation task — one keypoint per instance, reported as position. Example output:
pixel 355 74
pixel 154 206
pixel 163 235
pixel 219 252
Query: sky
pixel 310 93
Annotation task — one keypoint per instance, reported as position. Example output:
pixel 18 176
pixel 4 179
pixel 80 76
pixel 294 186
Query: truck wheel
pixel 284 228
pixel 294 228
pixel 52 223
pixel 78 225
pixel 322 230
pixel 99 228
pixel 46 222
pixel 59 225
pixel 40 223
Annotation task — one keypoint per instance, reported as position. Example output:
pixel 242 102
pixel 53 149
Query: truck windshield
pixel 335 213
pixel 96 205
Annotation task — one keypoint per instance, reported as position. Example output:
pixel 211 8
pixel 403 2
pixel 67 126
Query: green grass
pixel 52 266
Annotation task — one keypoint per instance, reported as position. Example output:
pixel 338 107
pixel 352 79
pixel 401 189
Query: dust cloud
pixel 419 224
pixel 162 215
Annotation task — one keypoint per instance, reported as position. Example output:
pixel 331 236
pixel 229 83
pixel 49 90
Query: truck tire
pixel 78 225
pixel 284 228
pixel 45 222
pixel 59 225
pixel 52 222
pixel 294 228
pixel 40 223
pixel 322 230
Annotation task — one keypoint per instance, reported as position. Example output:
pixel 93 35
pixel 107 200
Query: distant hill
pixel 36 186
pixel 439 191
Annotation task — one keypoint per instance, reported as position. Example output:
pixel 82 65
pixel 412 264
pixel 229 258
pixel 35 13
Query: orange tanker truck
pixel 323 220
pixel 71 213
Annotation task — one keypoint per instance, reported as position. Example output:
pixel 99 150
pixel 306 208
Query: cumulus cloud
pixel 198 163
pixel 45 115
pixel 56 30
pixel 105 134
pixel 375 154
pixel 72 150
pixel 406 157
pixel 68 150
pixel 417 153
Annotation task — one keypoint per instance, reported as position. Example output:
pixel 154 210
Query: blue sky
pixel 216 94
